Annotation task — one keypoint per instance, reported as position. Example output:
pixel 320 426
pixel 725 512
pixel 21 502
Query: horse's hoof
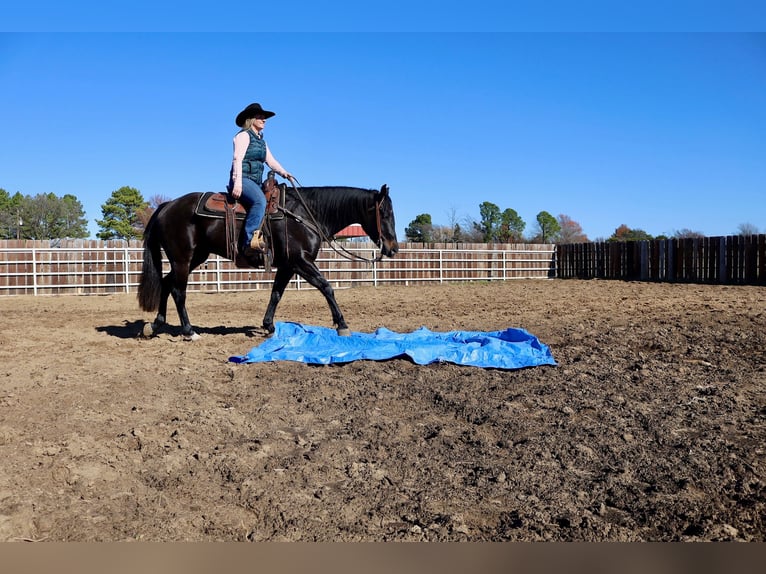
pixel 148 330
pixel 259 332
pixel 344 332
pixel 193 337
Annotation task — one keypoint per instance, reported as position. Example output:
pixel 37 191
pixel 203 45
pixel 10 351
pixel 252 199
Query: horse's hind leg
pixel 281 279
pixel 160 320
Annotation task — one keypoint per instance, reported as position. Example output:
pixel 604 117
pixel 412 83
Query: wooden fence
pixel 734 259
pixel 86 267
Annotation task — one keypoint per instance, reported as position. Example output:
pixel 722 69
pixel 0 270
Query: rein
pixel 314 225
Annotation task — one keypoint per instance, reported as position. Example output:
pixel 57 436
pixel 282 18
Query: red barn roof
pixel 353 230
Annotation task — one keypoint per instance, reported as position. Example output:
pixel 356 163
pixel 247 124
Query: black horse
pixel 309 216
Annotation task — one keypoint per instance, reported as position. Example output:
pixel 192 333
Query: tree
pixel 490 221
pixel 452 222
pixel 511 227
pixel 547 228
pixel 419 229
pixel 10 215
pixel 747 229
pixel 47 216
pixel 74 223
pixel 571 231
pixel 470 232
pixel 5 200
pixel 625 233
pixel 154 202
pixel 442 233
pixel 122 215
pixel 42 216
pixel 688 234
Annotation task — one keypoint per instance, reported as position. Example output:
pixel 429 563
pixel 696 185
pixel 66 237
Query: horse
pixel 308 216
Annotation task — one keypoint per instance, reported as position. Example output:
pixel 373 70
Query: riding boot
pixel 248 258
pixel 257 241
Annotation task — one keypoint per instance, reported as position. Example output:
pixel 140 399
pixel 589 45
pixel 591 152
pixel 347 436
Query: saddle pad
pixel 213 204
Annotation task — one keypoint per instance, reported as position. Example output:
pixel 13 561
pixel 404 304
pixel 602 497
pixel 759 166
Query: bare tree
pixel 454 226
pixel 747 229
pixel 442 234
pixel 471 231
pixel 154 202
pixel 571 231
pixel 688 234
pixel 452 218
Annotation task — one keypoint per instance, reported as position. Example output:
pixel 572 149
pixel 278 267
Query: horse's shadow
pixel 134 330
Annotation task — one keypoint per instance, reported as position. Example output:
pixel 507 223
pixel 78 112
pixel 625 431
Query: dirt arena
pixel 652 426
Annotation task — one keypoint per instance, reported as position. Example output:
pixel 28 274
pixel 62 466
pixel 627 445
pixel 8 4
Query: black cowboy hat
pixel 250 112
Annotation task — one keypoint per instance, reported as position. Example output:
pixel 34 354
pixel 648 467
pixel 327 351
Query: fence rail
pixel 733 259
pixel 87 267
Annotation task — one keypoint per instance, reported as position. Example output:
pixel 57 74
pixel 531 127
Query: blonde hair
pixel 248 123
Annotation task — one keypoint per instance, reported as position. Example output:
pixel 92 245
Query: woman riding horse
pixel 246 174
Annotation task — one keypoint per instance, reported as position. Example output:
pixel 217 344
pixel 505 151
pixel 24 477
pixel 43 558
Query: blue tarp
pixel 508 349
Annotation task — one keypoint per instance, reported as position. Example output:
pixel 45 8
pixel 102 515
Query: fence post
pixel 643 273
pixel 671 268
pixel 762 259
pixel 722 260
pixel 34 271
pixel 441 266
pixel 126 263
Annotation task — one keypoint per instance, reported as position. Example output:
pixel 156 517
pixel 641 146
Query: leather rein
pixel 314 226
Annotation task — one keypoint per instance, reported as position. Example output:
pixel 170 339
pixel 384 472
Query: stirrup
pixel 257 241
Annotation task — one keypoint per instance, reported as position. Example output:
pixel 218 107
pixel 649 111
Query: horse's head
pixel 382 227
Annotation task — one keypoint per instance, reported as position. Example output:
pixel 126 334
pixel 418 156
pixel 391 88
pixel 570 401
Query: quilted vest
pixel 252 163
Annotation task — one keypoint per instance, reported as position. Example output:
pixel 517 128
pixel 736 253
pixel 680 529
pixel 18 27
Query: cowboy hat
pixel 250 112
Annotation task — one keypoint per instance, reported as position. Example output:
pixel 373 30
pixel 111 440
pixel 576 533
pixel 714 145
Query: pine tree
pixel 122 215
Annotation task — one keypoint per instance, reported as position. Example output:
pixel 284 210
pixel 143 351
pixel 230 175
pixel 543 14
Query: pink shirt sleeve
pixel 272 162
pixel 241 143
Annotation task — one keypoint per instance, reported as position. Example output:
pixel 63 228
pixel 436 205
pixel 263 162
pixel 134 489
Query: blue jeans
pixel 255 203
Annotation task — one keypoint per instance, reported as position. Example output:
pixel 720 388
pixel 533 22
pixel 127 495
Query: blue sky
pixel 654 123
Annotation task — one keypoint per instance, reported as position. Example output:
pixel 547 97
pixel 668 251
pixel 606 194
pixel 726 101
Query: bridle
pixel 340 250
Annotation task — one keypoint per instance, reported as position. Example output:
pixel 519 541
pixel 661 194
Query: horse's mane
pixel 332 204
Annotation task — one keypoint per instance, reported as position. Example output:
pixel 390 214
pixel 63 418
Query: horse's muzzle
pixel 389 248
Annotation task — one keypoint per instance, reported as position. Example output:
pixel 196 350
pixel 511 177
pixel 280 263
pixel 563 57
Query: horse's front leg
pixel 310 272
pixel 178 291
pixel 281 279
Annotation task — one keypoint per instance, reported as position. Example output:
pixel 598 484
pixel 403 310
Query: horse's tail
pixel 150 287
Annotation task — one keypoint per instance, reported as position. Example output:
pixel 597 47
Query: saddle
pixel 217 205
pixel 275 197
pixel 224 206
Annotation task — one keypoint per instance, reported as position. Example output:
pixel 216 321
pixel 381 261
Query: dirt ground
pixel 652 426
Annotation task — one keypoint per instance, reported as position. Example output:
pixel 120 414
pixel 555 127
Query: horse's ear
pixel 384 190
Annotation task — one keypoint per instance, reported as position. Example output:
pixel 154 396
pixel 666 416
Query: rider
pixel 250 153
